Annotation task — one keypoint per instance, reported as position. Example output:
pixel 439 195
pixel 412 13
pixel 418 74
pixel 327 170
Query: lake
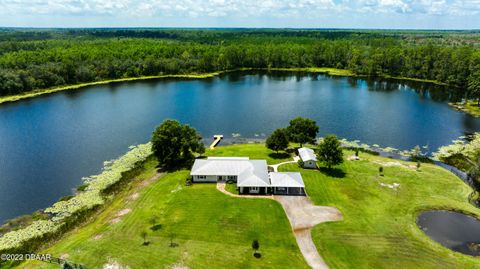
pixel 47 144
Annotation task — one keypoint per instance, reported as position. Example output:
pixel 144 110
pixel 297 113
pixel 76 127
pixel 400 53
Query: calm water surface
pixel 48 144
pixel 453 230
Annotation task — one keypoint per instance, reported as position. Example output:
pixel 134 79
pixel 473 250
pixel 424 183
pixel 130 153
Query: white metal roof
pixel 307 154
pixel 286 179
pixel 228 158
pixel 250 173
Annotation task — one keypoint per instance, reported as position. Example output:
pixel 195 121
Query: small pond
pixel 454 230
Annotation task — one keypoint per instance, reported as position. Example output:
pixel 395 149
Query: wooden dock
pixel 216 140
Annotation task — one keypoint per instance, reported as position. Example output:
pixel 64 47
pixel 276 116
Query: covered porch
pixel 287 183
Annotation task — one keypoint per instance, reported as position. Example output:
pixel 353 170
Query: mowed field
pixel 379 228
pixel 209 229
pixel 212 230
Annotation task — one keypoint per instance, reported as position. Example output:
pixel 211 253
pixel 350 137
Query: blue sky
pixel 403 14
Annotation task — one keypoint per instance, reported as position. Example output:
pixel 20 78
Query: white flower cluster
pixel 91 197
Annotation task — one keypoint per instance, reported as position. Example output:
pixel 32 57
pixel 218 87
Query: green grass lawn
pixel 379 229
pixel 254 151
pixel 212 230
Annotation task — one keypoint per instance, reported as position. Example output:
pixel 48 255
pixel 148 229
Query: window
pixel 202 177
pixel 254 189
pixel 232 177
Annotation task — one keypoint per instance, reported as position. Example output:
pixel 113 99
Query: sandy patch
pixel 115 220
pixel 114 265
pixel 353 158
pixel 178 188
pixel 98 237
pixel 150 180
pixel 134 196
pixel 123 212
pixel 179 266
pixel 386 164
pixel 393 186
pixel 64 256
pixel 119 215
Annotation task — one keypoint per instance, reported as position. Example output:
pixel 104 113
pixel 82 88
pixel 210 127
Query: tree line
pixel 79 56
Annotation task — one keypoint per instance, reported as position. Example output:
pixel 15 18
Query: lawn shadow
pixel 156 227
pixel 333 172
pixel 279 155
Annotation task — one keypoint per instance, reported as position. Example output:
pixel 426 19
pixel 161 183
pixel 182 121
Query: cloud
pixel 246 10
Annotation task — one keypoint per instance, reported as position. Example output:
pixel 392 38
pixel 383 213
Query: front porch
pixel 253 190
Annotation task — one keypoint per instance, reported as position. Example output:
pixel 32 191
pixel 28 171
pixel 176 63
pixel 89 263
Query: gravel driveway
pixel 303 215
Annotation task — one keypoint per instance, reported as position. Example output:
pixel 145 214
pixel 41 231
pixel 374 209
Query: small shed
pixel 307 155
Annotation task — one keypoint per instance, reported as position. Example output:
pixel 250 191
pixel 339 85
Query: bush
pixel 300 163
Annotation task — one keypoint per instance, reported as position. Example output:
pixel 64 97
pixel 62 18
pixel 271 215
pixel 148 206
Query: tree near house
pixel 174 144
pixel 302 130
pixel 278 140
pixel 329 151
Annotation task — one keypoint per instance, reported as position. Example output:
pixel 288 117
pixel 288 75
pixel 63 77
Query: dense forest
pixel 45 58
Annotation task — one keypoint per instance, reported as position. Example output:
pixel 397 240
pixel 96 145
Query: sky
pixel 378 14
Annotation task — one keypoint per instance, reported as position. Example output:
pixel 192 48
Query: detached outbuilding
pixel 308 157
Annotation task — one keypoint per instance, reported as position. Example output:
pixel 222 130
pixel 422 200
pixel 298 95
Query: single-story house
pixel 251 176
pixel 307 155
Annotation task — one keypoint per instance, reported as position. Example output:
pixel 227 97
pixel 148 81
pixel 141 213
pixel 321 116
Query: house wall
pixel 246 190
pixel 206 179
pixel 310 164
pixel 213 178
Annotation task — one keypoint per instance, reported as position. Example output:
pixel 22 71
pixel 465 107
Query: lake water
pixel 47 144
pixel 453 230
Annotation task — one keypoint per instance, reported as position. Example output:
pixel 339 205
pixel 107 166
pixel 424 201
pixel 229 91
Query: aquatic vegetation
pixel 85 200
pixel 37 229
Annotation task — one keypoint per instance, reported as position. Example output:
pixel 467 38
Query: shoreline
pixel 469 107
pixel 320 70
pixel 346 145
